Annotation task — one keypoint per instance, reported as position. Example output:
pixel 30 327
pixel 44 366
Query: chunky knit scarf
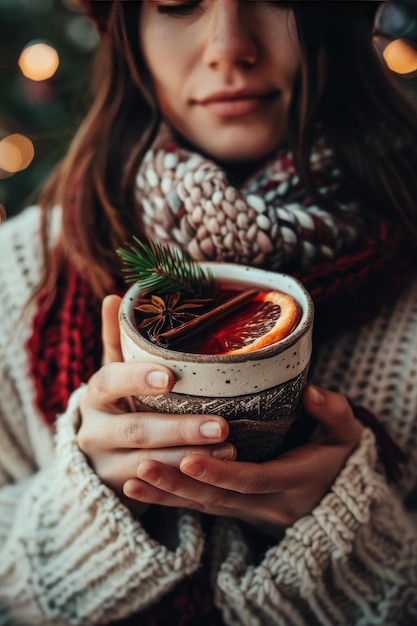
pixel 268 222
pixel 187 201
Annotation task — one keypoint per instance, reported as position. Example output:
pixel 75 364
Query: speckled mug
pixel 258 393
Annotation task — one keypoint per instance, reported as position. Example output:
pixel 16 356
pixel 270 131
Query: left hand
pixel 270 495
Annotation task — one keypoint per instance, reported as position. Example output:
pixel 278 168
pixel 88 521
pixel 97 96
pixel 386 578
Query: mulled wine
pixel 237 319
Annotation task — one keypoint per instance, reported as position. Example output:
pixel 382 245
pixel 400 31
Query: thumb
pixel 110 333
pixel 333 412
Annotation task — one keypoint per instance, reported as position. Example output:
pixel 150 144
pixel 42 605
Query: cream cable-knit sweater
pixel 71 553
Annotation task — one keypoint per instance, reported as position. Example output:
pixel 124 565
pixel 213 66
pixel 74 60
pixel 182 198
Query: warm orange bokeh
pixel 16 153
pixel 38 61
pixel 401 56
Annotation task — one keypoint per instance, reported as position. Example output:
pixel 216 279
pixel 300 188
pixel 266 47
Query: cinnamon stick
pixel 201 322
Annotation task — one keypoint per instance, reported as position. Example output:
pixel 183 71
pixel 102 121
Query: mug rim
pixel 127 325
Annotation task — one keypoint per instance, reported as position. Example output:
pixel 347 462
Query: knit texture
pixel 71 553
pixel 62 333
pixel 188 201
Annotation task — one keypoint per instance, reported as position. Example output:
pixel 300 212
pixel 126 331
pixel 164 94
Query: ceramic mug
pixel 259 392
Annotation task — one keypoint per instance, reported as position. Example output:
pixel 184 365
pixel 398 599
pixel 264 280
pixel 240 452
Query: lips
pixel 236 103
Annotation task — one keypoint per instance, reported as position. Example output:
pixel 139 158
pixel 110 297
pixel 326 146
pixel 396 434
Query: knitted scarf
pixel 268 222
pixel 186 200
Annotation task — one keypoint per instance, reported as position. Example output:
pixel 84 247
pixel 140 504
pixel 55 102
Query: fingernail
pixel 157 379
pixel 317 395
pixel 149 475
pixel 211 430
pixel 225 452
pixel 194 469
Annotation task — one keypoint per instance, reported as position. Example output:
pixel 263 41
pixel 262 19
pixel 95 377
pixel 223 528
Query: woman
pixel 136 516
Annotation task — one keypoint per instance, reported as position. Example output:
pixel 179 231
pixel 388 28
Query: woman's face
pixel 223 72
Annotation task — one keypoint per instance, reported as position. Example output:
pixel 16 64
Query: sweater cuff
pixel 299 560
pixel 109 565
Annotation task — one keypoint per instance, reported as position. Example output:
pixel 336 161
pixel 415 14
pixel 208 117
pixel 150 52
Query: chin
pixel 240 155
pixel 234 145
pixel 242 146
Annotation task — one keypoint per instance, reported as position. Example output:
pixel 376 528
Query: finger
pixel 153 430
pixel 174 456
pixel 116 468
pixel 241 477
pixel 333 411
pixel 206 498
pixel 110 329
pixel 119 380
pixel 139 490
pixel 165 486
pixel 294 470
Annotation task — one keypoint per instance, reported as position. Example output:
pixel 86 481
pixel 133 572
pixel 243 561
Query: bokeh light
pixel 400 56
pixel 16 153
pixel 38 61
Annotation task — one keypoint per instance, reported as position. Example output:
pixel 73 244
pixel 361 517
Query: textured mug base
pixel 258 422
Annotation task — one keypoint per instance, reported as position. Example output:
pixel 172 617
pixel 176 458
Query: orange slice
pixel 270 317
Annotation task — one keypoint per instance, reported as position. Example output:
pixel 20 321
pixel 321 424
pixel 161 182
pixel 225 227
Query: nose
pixel 230 40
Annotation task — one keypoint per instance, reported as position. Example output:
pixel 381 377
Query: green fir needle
pixel 161 270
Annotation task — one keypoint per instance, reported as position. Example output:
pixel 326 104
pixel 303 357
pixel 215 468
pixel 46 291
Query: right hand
pixel 117 434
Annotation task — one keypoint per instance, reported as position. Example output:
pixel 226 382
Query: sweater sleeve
pixel 352 561
pixel 71 553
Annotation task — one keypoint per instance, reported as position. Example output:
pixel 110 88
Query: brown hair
pixel 342 84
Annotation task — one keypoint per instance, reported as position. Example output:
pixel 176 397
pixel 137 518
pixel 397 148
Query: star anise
pixel 163 313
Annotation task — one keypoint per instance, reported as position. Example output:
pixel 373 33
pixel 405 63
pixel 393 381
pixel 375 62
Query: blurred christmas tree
pixel 46 47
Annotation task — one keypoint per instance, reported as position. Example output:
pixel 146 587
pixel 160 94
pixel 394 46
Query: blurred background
pixel 46 48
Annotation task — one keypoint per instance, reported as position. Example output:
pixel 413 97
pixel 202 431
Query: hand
pixel 270 495
pixel 117 435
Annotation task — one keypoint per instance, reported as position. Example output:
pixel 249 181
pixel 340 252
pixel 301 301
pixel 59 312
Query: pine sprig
pixel 164 270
